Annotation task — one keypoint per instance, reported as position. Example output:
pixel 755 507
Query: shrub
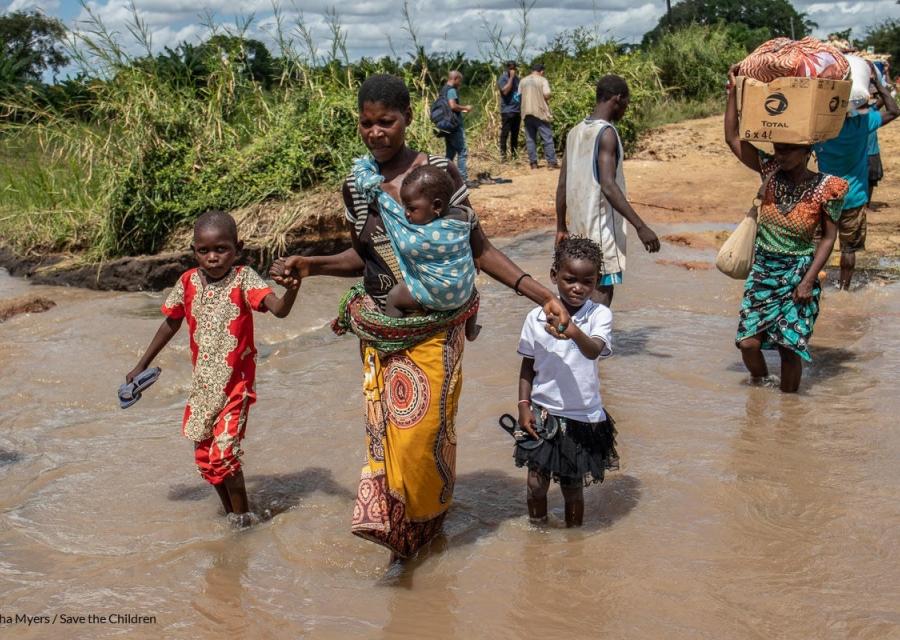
pixel 693 61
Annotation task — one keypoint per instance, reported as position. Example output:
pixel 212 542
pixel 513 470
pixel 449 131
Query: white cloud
pixel 47 6
pixel 838 16
pixel 441 25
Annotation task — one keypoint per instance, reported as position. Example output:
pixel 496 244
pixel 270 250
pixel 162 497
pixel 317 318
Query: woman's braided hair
pixel 577 248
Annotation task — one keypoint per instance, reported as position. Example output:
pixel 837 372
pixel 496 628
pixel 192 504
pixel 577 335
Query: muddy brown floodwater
pixel 738 513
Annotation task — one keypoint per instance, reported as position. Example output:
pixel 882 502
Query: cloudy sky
pixel 372 26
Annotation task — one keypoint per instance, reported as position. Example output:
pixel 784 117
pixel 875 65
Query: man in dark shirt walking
pixel 510 111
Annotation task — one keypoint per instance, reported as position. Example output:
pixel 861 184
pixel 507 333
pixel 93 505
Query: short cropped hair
pixel 433 182
pixel 218 220
pixel 608 87
pixel 577 248
pixel 537 66
pixel 389 90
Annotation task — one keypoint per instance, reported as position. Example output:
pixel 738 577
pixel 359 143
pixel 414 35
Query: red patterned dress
pixel 220 324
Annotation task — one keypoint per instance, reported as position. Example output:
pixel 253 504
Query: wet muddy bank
pixel 140 273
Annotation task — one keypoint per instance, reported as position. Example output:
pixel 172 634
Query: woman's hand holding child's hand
pixel 284 273
pixel 558 319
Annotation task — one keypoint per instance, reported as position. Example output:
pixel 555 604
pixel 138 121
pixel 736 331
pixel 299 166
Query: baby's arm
pixel 591 348
pixel 281 307
pixel 526 378
pixel 166 331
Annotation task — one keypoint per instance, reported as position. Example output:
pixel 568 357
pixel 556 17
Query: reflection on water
pixel 739 512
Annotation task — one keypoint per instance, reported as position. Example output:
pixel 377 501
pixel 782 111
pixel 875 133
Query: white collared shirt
pixel 567 383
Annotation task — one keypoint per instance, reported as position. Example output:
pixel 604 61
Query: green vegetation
pixel 30 43
pixel 47 200
pixel 113 161
pixel 120 159
pixel 749 22
pixel 885 37
pixel 693 61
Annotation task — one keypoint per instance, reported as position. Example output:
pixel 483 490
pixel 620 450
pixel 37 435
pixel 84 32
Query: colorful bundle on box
pixel 786 58
pixel 793 92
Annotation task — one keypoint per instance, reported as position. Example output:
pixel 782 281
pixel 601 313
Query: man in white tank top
pixel 591 190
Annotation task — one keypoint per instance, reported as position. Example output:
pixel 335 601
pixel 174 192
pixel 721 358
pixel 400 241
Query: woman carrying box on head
pixel 781 295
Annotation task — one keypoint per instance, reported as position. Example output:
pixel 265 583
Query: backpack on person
pixel 445 121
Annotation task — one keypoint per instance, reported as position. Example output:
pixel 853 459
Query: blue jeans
pixel 533 128
pixel 456 147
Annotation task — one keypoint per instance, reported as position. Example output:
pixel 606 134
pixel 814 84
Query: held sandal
pixel 130 392
pixel 546 426
pixel 522 438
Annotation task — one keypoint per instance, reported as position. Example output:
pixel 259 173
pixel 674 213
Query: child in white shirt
pixel 559 388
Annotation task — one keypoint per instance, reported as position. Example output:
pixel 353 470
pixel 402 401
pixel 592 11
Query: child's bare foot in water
pixel 242 520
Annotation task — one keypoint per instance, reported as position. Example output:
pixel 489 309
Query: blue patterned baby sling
pixel 435 259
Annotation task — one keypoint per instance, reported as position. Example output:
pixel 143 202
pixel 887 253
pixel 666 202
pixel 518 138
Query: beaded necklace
pixel 788 195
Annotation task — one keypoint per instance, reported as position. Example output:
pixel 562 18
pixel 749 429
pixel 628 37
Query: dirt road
pixel 683 173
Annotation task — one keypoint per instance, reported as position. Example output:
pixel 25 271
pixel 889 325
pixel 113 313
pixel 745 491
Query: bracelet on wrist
pixel 518 282
pixel 524 401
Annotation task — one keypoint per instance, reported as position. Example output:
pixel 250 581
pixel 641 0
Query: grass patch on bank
pixel 672 110
pixel 47 202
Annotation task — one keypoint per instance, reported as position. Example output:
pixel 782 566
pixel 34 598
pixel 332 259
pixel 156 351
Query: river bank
pixel 680 173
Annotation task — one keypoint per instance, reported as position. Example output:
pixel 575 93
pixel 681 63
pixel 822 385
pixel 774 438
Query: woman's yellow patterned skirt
pixel 411 401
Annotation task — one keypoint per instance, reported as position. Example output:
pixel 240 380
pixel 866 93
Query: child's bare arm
pixel 281 307
pixel 591 348
pixel 166 331
pixel 526 379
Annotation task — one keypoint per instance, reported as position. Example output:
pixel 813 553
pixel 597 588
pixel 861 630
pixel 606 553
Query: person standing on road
pixel 591 189
pixel 535 90
pixel 456 141
pixel 847 156
pixel 510 111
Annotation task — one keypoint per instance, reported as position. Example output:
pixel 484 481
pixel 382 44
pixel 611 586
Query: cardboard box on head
pixel 792 110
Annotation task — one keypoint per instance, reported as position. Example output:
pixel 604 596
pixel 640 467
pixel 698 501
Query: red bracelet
pixel 525 401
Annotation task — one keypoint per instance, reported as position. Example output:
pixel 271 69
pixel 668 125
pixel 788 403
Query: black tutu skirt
pixel 579 454
pixel 876 169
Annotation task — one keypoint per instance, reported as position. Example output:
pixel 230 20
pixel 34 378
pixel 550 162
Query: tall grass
pixel 158 147
pixel 669 110
pixel 694 60
pixel 46 199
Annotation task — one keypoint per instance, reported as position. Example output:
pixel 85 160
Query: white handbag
pixel 735 258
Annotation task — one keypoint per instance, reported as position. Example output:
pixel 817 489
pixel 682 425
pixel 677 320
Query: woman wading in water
pixel 412 373
pixel 781 295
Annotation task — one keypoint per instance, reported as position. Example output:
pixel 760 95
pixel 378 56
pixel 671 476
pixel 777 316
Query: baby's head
pixel 426 193
pixel 216 245
pixel 576 269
